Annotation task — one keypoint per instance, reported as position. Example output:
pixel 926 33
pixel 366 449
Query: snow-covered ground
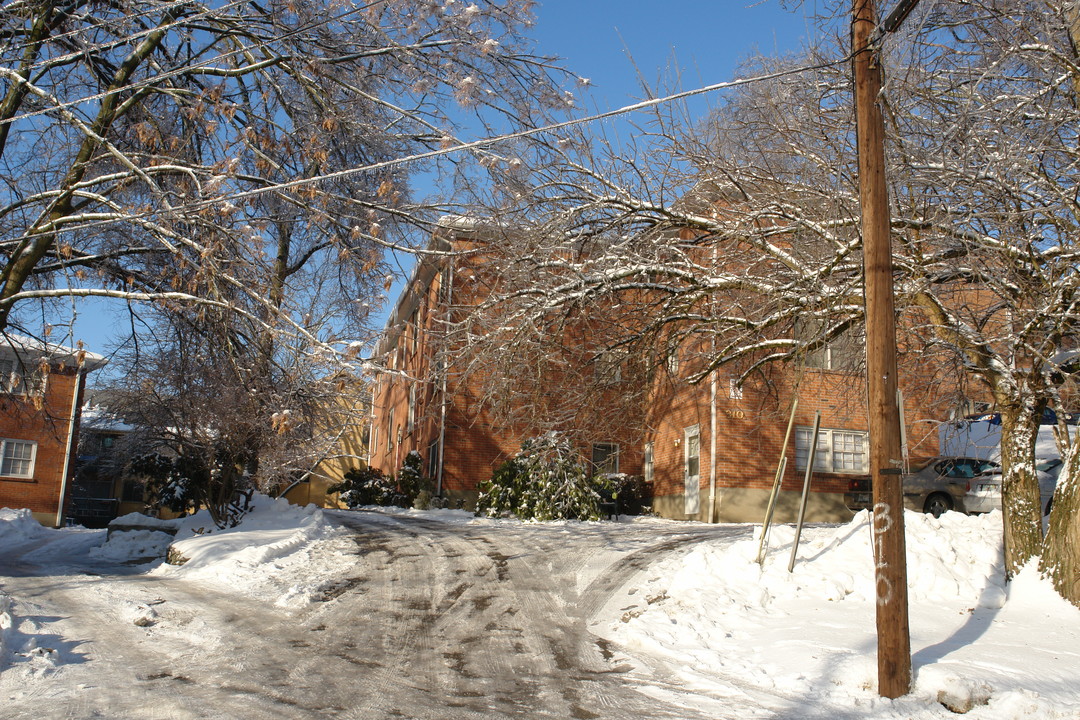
pixel 735 629
pixel 726 633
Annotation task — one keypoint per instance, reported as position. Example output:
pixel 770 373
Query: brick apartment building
pixel 41 388
pixel 708 449
pixel 423 402
pixel 712 449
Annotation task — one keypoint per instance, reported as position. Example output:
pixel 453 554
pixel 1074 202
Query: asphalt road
pixel 439 621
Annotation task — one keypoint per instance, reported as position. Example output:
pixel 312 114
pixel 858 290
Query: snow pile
pixel 136 537
pixel 19 526
pixel 141 521
pixel 133 546
pixel 280 552
pixel 733 627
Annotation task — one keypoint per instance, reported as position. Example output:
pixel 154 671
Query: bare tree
pixel 242 169
pixel 738 237
pixel 217 417
pixel 155 150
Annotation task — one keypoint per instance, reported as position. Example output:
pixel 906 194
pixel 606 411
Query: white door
pixel 691 470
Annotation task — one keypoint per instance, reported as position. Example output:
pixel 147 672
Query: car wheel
pixel 937 504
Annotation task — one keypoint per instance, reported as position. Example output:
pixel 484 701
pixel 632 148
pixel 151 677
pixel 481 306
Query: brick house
pixel 712 449
pixel 41 387
pixel 423 403
pixel 708 450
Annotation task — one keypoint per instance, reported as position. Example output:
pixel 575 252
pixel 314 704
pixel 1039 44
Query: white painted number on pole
pixel 882 518
pixel 883 522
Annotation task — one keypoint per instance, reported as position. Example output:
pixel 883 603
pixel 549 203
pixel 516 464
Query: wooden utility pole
pixel 886 466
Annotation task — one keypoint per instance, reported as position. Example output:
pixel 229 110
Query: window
pixel 17 458
pixel 692 452
pixel 647 463
pixel 838 451
pixel 414 329
pixel 18 379
pixel 134 491
pixel 673 363
pixel 964 467
pixel 845 352
pixel 607 368
pixel 390 430
pixel 433 459
pixel 374 442
pixel 605 458
pixel 410 421
pixel 734 390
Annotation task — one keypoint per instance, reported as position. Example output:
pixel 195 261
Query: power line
pixel 475 144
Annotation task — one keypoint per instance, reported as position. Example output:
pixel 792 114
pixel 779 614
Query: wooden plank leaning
pixel 763 543
pixel 805 489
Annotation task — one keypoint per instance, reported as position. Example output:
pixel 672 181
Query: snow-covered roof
pixel 95 417
pixel 61 354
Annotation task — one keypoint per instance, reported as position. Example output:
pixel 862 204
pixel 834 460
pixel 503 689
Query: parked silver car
pixel 984 493
pixel 934 486
pixel 941 484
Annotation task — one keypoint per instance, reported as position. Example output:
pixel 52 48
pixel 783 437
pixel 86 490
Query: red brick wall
pixel 750 431
pixel 475 442
pixel 48 427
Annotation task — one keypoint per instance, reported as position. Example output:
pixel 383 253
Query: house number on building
pixel 735 414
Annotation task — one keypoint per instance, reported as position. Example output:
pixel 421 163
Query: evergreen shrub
pixel 365 486
pixel 545 481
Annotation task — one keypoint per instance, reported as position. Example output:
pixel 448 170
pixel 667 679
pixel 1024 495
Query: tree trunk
pixel 1020 509
pixel 1061 548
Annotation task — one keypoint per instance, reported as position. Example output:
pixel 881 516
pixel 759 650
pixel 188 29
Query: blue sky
pixel 704 39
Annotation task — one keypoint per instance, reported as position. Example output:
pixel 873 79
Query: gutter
pixel 712 448
pixel 80 381
pixel 445 371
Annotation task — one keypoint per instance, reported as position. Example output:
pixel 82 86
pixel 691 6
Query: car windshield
pixel 963 467
pixel 1047 465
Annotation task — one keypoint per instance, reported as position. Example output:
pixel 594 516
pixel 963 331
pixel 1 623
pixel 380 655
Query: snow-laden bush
pixel 365 486
pixel 369 486
pixel 411 480
pixel 545 481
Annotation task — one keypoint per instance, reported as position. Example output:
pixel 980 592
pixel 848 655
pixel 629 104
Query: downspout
pixel 444 371
pixel 712 448
pixel 712 417
pixel 80 379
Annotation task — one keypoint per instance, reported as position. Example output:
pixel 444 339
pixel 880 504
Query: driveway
pixel 438 621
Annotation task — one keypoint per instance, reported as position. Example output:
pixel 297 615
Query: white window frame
pixel 433 458
pixel 414 323
pixel 607 369
pixel 410 422
pixel 839 451
pixel 672 363
pixel 848 347
pixel 735 391
pixel 648 463
pixel 5 446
